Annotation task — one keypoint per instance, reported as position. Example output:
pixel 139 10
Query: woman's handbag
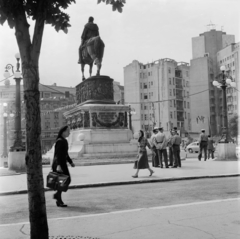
pixel 58 181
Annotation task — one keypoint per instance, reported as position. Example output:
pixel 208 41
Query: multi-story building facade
pixel 228 57
pixel 54 101
pixel 159 94
pixel 206 111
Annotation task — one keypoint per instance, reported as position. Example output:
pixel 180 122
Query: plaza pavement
pixel 119 174
pixel 211 219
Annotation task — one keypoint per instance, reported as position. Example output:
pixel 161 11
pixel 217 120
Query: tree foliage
pixel 233 126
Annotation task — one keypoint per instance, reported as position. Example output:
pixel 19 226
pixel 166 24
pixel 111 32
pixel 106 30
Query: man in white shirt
pixel 160 143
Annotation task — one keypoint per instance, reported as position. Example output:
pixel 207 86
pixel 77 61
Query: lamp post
pixel 224 83
pixel 131 111
pixel 4 155
pixel 17 145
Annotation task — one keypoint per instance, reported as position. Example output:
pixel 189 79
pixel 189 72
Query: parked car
pixel 193 147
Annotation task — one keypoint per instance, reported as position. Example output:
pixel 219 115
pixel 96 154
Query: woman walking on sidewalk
pixel 60 160
pixel 142 162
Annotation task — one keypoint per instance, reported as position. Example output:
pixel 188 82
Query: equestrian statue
pixel 91 49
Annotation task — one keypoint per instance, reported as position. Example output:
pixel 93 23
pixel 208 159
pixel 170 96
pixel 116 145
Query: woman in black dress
pixel 60 160
pixel 142 162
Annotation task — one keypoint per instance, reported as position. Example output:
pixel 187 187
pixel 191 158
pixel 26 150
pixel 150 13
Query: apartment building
pixel 206 108
pixel 158 93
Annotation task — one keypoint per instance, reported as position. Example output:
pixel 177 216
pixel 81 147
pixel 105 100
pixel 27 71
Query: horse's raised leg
pixel 90 69
pixel 99 65
pixel 82 68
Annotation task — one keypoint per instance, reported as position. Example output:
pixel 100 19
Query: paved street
pixel 168 204
pixel 14 209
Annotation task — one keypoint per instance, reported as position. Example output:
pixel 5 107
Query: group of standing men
pixel 160 142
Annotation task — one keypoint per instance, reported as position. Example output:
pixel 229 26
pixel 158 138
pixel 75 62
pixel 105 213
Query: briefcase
pixel 52 180
pixel 58 181
pixel 63 182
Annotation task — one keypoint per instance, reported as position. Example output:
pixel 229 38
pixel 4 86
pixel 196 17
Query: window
pixel 56 115
pixel 47 125
pixel 169 70
pixel 151 82
pixel 184 104
pixel 145 86
pixel 145 116
pixel 188 105
pixel 170 81
pixel 187 83
pixel 47 115
pixel 174 114
pixel 145 107
pixel 174 92
pixel 187 94
pixel 141 95
pixel 170 103
pixel 185 115
pixel 174 103
pixel 183 82
pixel 171 116
pixel 145 96
pixel 170 92
pixel 173 80
pixel 149 73
pixel 56 124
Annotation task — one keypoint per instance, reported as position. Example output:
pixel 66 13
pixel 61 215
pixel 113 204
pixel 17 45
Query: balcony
pixel 178 73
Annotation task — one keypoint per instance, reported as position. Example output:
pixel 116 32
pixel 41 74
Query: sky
pixel 146 30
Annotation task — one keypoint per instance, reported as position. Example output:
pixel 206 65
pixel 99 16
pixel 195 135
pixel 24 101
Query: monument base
pixel 16 161
pixel 101 143
pixel 226 152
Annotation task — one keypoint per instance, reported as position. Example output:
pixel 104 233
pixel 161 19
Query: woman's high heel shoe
pixel 59 204
pixel 151 173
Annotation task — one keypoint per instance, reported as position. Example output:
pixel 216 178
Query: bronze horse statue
pixel 92 52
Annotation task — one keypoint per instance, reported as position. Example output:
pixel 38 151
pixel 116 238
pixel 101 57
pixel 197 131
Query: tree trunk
pixel 29 56
pixel 36 197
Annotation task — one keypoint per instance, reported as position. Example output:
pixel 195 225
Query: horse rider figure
pixel 90 30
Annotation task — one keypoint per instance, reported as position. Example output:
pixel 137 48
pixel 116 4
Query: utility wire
pixel 166 99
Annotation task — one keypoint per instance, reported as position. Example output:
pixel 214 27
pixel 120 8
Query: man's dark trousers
pixel 203 147
pixel 171 155
pixel 176 153
pixel 163 152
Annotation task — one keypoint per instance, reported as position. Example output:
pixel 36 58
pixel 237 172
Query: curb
pixel 107 184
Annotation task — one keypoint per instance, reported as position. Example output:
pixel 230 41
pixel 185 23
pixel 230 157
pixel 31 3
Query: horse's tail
pixel 99 47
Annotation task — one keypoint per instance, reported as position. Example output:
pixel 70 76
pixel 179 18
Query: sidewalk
pixel 118 174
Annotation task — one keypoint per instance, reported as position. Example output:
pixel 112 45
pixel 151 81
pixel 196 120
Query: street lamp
pixel 224 83
pixel 17 145
pixel 4 155
pixel 131 112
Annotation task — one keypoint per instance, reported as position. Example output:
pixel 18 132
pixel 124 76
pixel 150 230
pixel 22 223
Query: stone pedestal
pixel 99 127
pixel 16 161
pixel 225 152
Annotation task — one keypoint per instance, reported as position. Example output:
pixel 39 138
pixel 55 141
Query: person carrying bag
pixel 59 165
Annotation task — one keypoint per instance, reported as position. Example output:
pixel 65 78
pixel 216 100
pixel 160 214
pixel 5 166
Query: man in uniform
pixel 160 143
pixel 90 30
pixel 170 147
pixel 203 143
pixel 155 161
pixel 176 142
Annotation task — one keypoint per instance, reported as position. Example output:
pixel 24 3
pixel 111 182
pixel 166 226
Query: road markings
pixel 131 210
